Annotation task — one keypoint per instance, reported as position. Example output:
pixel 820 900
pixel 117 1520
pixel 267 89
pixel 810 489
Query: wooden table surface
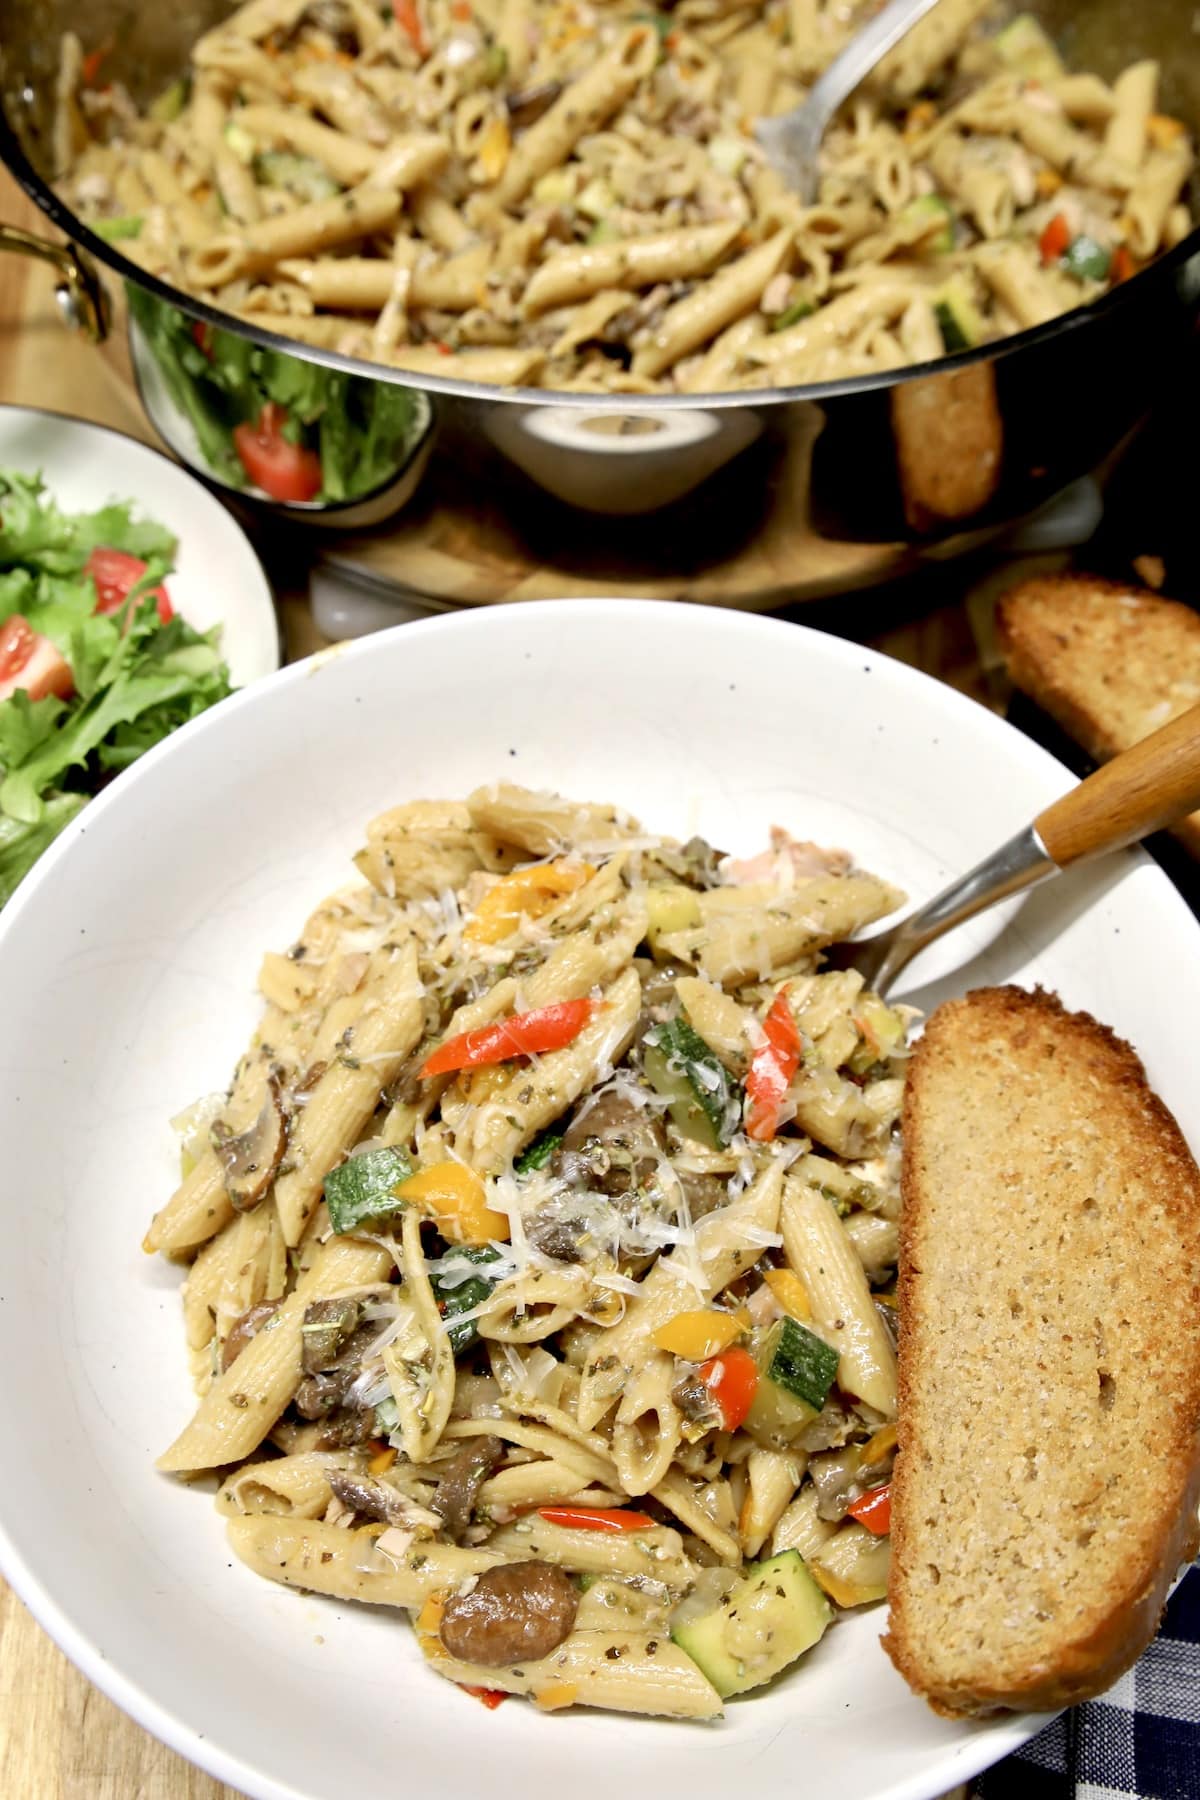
pixel 60 1739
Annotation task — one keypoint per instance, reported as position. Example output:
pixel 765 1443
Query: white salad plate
pixel 217 580
pixel 128 961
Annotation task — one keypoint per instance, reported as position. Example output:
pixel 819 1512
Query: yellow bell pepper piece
pixel 526 893
pixel 790 1292
pixel 428 1623
pixel 842 1592
pixel 555 1695
pixel 1162 130
pixel 382 1461
pixel 698 1335
pixel 455 1198
pixel 877 1447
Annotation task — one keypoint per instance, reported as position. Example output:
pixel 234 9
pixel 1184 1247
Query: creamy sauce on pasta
pixel 570 195
pixel 549 1226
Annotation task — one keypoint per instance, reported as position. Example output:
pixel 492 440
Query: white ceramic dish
pixel 127 965
pixel 218 580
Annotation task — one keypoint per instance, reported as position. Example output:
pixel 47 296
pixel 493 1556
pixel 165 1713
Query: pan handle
pixel 82 300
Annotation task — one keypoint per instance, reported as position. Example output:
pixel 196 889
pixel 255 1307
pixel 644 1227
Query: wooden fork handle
pixel 1143 789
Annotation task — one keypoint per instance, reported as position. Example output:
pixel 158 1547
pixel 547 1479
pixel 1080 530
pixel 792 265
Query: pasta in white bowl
pixel 128 966
pixel 543 1249
pixel 569 193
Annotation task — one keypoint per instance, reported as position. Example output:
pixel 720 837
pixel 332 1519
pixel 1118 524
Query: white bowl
pixel 218 580
pixel 127 966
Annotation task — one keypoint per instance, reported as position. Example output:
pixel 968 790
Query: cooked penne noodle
pixel 456 1329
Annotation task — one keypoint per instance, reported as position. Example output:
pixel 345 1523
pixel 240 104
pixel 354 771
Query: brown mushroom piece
pixel 244 1328
pixel 249 1159
pixel 465 1474
pixel 319 1393
pixel 328 1324
pixel 526 107
pixel 352 1426
pixel 515 1613
pixel 364 1494
pixel 614 1145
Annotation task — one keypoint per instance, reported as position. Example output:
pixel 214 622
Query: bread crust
pixel 1108 661
pixel 1127 1602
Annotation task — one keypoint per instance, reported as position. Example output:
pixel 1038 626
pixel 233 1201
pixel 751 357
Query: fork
pixel 1154 784
pixel 793 140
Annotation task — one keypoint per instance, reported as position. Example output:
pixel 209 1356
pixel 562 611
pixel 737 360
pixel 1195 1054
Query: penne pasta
pixel 499 1265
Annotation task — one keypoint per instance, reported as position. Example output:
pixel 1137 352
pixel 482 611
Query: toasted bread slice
pixel 1049 1467
pixel 1109 663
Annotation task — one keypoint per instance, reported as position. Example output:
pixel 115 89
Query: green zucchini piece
pixel 362 1190
pixel 770 1617
pixel 705 1101
pixel 1086 259
pixel 538 1153
pixel 463 1297
pixel 803 308
pixel 800 1362
pixel 929 207
pixel 301 175
pixel 128 225
pixel 796 1370
pixel 958 318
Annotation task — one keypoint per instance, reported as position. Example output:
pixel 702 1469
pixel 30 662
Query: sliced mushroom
pixel 328 1324
pixel 244 1328
pixel 352 1425
pixel 458 1489
pixel 515 1613
pixel 364 1494
pixel 614 1145
pixel 835 1475
pixel 526 107
pixel 250 1158
pixel 319 1393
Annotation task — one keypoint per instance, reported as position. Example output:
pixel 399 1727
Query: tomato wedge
pixel 595 1518
pixel 283 470
pixel 771 1070
pixel 874 1510
pixel 525 1034
pixel 31 662
pixel 116 574
pixel 732 1380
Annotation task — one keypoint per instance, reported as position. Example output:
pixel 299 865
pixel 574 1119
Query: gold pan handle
pixel 82 300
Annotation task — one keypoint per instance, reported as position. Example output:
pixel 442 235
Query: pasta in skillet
pixel 542 1254
pixel 569 193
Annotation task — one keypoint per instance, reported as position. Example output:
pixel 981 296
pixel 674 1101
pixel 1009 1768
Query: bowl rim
pixel 982 1743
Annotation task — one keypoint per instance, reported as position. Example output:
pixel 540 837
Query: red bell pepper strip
pixel 874 1510
pixel 732 1380
pixel 116 574
pixel 491 1697
pixel 525 1034
pixel 409 20
pixel 1055 238
pixel 771 1070
pixel 1122 265
pixel 595 1518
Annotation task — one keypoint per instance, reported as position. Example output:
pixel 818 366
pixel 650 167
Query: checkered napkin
pixel 1141 1741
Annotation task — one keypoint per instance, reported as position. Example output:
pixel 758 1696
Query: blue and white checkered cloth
pixel 1141 1741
